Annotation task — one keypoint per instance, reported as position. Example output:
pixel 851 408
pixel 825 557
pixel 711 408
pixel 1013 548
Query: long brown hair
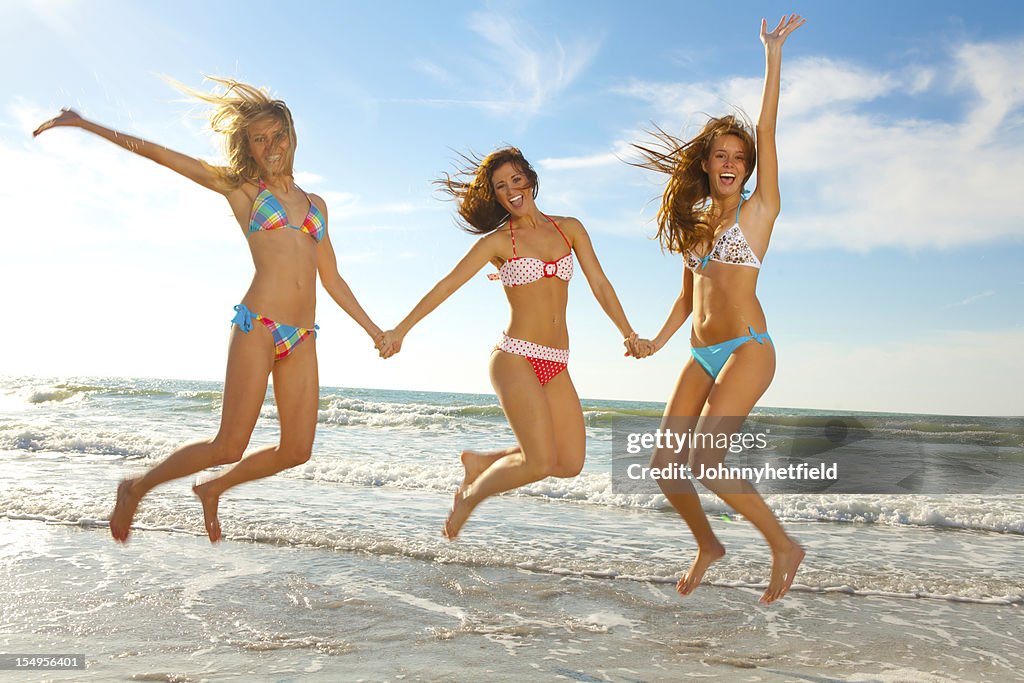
pixel 235 109
pixel 683 220
pixel 479 210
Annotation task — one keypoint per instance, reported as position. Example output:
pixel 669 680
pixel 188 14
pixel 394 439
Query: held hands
pixel 776 38
pixel 67 117
pixel 388 343
pixel 637 347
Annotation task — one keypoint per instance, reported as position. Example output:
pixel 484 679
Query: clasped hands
pixel 637 347
pixel 389 343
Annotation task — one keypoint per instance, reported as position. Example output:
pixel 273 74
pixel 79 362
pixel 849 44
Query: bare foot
pixel 457 516
pixel 210 502
pixel 124 510
pixel 705 556
pixel 784 566
pixel 474 463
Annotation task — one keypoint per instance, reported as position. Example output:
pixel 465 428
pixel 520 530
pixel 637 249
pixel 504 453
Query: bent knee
pixel 294 456
pixel 569 466
pixel 540 464
pixel 663 457
pixel 227 449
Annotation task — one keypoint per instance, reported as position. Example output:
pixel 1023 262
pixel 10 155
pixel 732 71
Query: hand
pixel 637 347
pixel 645 348
pixel 388 343
pixel 776 38
pixel 640 348
pixel 67 117
pixel 630 344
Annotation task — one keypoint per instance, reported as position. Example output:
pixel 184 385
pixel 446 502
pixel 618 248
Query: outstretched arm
pixel 766 195
pixel 598 281
pixel 191 168
pixel 337 288
pixel 478 256
pixel 681 310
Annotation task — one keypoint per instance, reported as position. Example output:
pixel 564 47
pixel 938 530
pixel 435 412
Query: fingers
pixel 638 348
pixel 787 24
pixel 387 343
pixel 44 126
pixel 67 116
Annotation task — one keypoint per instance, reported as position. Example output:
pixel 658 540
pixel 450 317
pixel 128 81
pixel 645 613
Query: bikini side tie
pixel 243 318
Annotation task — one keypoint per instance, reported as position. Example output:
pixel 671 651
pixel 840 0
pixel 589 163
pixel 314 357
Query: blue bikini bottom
pixel 713 357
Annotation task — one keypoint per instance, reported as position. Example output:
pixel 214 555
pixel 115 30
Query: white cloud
pixel 76 179
pixel 434 71
pixel 518 71
pixel 58 15
pixel 971 299
pixel 856 177
pixel 572 163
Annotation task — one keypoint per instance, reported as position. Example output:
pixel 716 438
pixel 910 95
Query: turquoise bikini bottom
pixel 713 357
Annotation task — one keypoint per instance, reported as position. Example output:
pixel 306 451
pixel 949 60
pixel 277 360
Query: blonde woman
pixel 273 329
pixel 533 253
pixel 723 237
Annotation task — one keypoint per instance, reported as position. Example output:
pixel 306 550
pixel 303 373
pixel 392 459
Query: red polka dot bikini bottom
pixel 547 361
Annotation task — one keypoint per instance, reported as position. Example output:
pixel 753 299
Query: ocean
pixel 336 570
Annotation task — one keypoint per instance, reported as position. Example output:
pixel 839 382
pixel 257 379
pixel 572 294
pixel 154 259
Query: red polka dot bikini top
pixel 522 270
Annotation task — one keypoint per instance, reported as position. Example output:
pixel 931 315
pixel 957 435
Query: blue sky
pixel 892 275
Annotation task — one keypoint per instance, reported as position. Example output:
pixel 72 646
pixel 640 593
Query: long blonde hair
pixel 683 219
pixel 479 210
pixel 234 110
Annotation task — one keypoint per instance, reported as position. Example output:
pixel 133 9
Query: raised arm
pixel 335 285
pixel 766 194
pixel 479 255
pixel 598 281
pixel 191 168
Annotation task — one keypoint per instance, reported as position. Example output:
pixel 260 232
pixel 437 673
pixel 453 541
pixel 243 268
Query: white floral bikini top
pixel 730 247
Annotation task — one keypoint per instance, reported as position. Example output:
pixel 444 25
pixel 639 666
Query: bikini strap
pixel 559 230
pixel 513 234
pixel 738 210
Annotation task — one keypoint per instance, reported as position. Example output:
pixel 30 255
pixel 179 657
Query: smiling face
pixel 726 165
pixel 513 190
pixel 270 145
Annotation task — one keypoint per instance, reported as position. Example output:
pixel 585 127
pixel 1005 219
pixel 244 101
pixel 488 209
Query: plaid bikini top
pixel 269 214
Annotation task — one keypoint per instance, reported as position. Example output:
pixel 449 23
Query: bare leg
pixel 741 383
pixel 297 394
pixel 681 411
pixel 528 407
pixel 245 386
pixel 475 462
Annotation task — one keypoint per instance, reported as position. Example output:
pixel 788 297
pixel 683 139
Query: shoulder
pixel 571 227
pixel 498 237
pixel 244 194
pixel 319 202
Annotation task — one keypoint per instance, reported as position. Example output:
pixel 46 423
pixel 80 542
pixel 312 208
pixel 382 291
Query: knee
pixel 664 457
pixel 569 467
pixel 540 464
pixel 293 456
pixel 227 449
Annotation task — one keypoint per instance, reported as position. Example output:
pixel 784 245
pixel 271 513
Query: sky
pixel 889 284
